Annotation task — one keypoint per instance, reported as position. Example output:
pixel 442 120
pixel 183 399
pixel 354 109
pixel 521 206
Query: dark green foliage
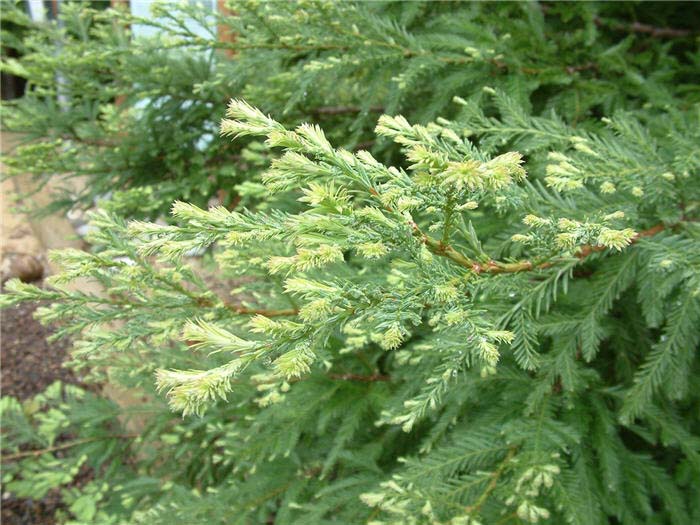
pixel 142 114
pixel 496 322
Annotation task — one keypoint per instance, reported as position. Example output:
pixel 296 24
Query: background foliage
pixel 490 318
pixel 143 114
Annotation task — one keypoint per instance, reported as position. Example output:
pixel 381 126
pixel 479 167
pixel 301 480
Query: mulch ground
pixel 29 365
pixel 29 362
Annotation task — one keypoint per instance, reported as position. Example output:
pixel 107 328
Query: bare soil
pixel 29 362
pixel 29 365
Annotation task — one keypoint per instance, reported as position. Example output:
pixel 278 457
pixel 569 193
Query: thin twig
pixel 472 509
pixel 39 452
pixel 648 29
pixel 583 67
pixel 261 311
pixel 364 145
pixel 342 110
pixel 361 378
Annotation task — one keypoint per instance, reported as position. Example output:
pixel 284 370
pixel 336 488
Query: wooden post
pixel 120 4
pixel 116 3
pixel 225 33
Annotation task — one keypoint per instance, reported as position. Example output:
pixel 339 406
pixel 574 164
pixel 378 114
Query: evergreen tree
pixel 490 318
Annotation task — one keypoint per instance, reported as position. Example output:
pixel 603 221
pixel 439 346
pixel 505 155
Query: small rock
pixel 26 268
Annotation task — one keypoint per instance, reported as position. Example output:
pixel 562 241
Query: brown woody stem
pixel 647 29
pixel 495 267
pixel 477 267
pixel 361 378
pixel 472 509
pixel 342 110
pixel 267 313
